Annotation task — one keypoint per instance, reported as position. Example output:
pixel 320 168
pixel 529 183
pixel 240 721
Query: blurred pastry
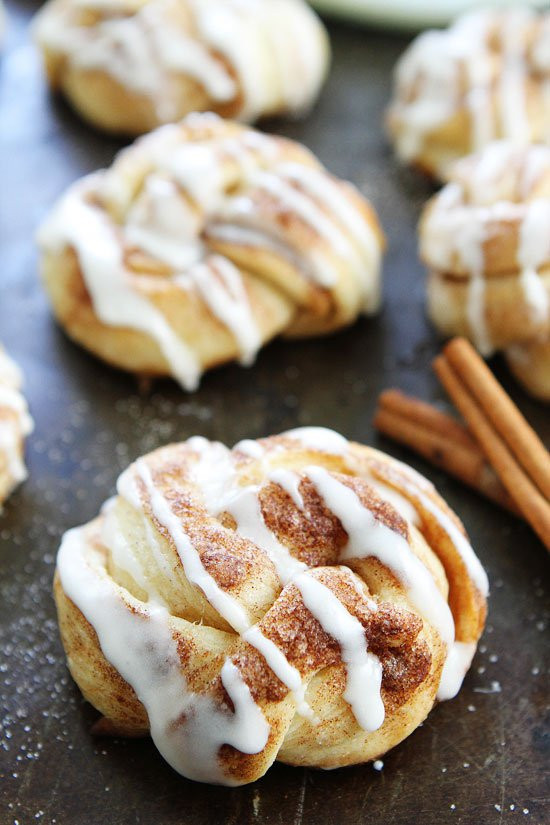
pixel 204 240
pixel 128 66
pixel 486 77
pixel 300 598
pixel 15 424
pixel 485 238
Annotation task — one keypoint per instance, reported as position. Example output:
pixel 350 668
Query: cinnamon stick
pixel 499 444
pixel 440 439
pixel 501 411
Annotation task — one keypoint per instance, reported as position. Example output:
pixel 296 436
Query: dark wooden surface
pixel 477 759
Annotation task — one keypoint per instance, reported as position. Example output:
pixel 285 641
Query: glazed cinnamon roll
pixel 487 77
pixel 299 598
pixel 15 424
pixel 131 65
pixel 203 241
pixel 485 238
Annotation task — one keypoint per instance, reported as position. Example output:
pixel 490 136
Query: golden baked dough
pixel 128 66
pixel 204 240
pixel 485 238
pixel 15 424
pixel 485 78
pixel 300 598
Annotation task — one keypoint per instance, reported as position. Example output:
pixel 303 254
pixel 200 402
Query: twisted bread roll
pixel 204 240
pixel 15 424
pixel 131 65
pixel 298 598
pixel 486 77
pixel 485 239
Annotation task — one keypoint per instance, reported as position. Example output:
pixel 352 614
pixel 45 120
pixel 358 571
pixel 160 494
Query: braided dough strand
pixel 299 598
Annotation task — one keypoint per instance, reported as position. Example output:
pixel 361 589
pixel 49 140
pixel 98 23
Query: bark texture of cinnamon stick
pixel 441 440
pixel 514 450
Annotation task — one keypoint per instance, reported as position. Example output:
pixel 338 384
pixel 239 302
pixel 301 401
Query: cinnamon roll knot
pixel 299 598
pixel 203 241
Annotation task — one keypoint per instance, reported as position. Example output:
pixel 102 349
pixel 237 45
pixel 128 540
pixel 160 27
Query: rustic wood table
pixel 478 759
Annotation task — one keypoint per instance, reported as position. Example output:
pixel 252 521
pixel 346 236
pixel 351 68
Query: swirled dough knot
pixel 485 239
pixel 298 598
pixel 486 77
pixel 204 240
pixel 131 65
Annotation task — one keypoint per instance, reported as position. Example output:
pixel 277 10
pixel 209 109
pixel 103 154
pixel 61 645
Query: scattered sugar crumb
pixel 495 687
pixel 378 765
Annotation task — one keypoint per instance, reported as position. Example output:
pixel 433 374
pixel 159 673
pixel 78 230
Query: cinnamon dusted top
pixel 273 595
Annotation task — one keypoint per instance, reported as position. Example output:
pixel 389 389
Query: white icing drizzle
pixel 244 52
pixel 289 481
pixel 222 602
pixel 79 224
pixel 513 77
pixel 459 654
pixel 363 243
pixel 15 426
pixel 533 252
pixel 251 448
pixel 403 506
pixel 187 728
pixel 243 504
pixel 220 284
pixel 430 79
pixel 367 536
pixel 281 667
pixel 261 41
pixel 364 670
pixel 455 668
pixel 319 438
pixel 458 229
pixel 162 223
pixel 456 536
pixel 182 203
pixel 310 213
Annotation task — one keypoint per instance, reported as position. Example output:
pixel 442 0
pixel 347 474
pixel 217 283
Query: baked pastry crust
pixel 204 240
pixel 15 424
pixel 484 78
pixel 300 598
pixel 129 66
pixel 485 238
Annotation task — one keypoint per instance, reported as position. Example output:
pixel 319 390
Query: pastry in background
pixel 485 238
pixel 202 241
pixel 15 424
pixel 300 598
pixel 128 66
pixel 487 77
